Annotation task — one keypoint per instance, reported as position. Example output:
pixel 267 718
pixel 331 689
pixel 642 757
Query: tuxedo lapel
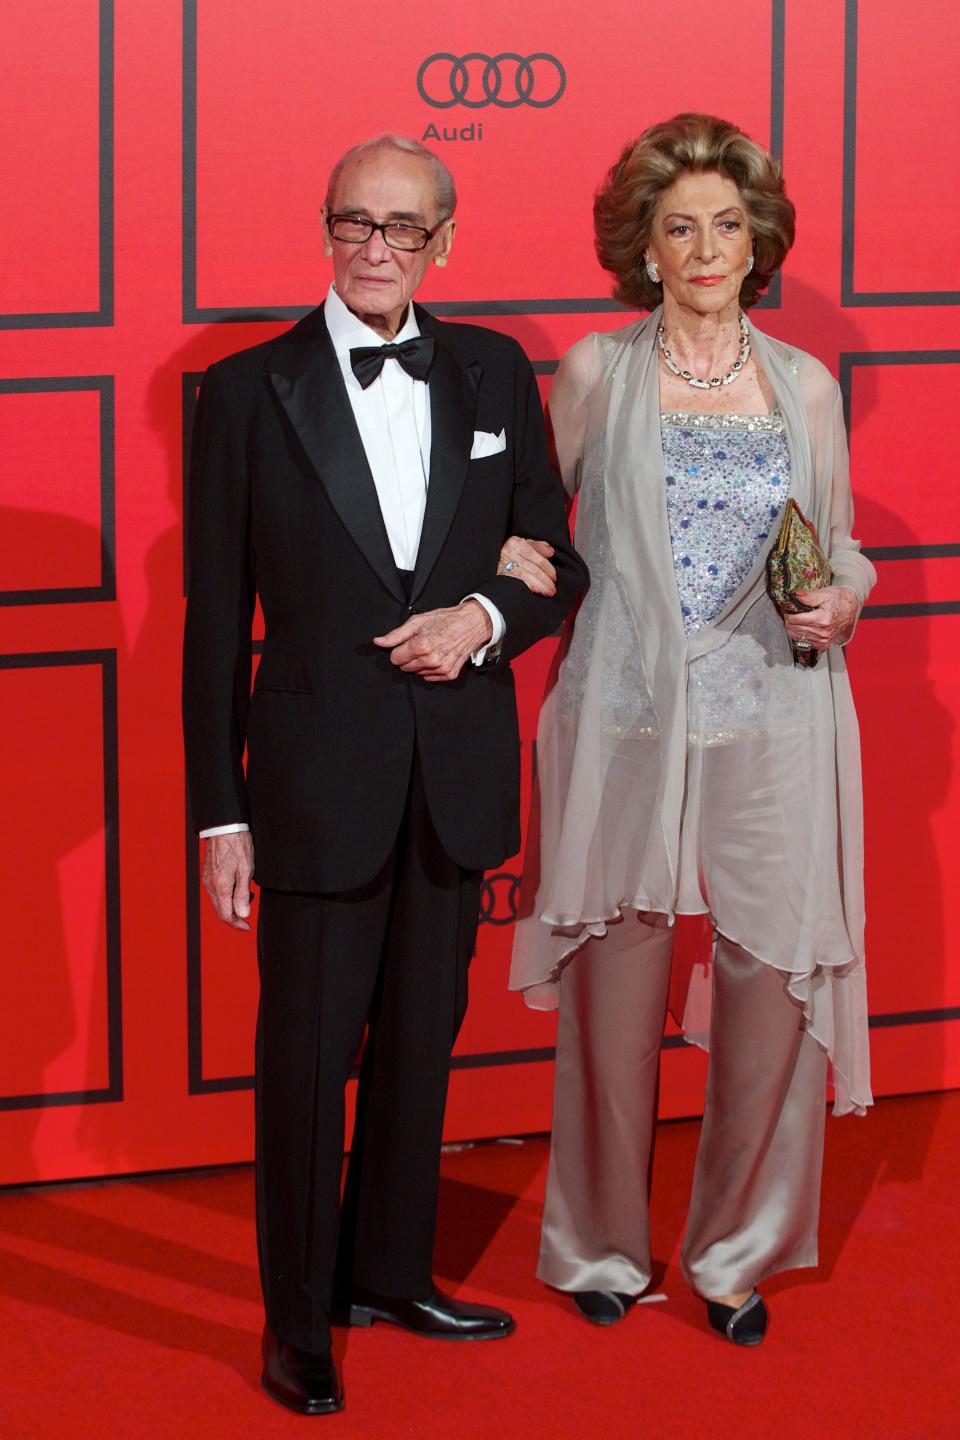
pixel 306 378
pixel 453 394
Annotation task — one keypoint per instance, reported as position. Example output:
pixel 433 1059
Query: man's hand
pixel 437 644
pixel 529 561
pixel 227 872
pixel 835 610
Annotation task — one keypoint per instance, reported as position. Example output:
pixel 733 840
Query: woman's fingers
pixel 834 611
pixel 811 626
pixel 532 552
pixel 528 560
pixel 819 626
pixel 531 575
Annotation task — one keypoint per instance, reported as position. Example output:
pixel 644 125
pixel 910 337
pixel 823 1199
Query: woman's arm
pixel 837 607
pixel 851 569
pixel 528 559
pixel 567 410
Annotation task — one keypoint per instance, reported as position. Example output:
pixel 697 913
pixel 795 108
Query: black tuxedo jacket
pixel 283 505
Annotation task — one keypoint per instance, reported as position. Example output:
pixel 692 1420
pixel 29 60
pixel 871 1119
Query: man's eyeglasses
pixel 354 230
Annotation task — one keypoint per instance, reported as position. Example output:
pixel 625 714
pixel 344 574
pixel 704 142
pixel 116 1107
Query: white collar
pixel 347 332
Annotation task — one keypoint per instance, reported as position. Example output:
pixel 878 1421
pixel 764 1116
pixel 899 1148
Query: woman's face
pixel 701 241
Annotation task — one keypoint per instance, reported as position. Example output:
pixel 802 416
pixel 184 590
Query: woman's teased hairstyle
pixel 626 203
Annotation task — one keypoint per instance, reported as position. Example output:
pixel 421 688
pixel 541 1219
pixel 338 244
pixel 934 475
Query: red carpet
pixel 131 1309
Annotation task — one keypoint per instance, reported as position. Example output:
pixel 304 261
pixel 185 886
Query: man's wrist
pixel 481 618
pixel 490 649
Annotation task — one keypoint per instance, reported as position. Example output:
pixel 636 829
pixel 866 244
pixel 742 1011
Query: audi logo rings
pixel 477 80
pixel 499 898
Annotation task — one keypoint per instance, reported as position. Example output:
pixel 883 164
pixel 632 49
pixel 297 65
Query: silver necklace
pixel 714 380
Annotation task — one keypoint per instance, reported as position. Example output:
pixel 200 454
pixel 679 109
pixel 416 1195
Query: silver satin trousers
pixel 756 1186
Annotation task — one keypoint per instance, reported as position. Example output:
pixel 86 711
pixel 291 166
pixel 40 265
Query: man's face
pixel 373 280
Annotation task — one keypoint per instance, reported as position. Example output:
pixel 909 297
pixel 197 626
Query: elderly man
pixel 360 475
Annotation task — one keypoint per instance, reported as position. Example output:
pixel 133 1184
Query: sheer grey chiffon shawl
pixel 648 738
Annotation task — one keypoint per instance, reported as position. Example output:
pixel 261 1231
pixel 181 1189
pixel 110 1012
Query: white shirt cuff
pixel 223 830
pixel 496 620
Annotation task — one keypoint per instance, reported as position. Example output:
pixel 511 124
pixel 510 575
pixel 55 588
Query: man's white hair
pixel 445 189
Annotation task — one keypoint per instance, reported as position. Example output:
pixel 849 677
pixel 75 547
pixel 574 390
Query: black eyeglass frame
pixel 383 227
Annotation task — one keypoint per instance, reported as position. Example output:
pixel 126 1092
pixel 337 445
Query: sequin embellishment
pixel 727 481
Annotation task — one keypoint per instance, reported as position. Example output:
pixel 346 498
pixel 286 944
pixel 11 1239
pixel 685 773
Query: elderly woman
pixel 687 765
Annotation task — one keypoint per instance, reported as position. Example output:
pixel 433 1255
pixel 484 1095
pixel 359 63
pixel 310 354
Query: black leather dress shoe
pixel 440 1317
pixel 300 1379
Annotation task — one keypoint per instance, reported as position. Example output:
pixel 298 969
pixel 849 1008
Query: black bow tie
pixel 416 357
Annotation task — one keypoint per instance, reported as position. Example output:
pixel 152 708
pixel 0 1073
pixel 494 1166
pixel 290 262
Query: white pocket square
pixel 485 443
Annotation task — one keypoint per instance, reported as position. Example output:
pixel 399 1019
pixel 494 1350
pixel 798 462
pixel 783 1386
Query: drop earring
pixel 749 267
pixel 652 271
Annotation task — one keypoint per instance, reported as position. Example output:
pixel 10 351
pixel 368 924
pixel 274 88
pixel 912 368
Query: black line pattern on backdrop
pixel 107 589
pixel 190 383
pixel 191 314
pixel 849 295
pixel 194 314
pixel 499 897
pixel 908 608
pixel 849 361
pixel 546 1054
pixel 198 1084
pixel 113 1091
pixel 582 306
pixel 103 315
pixel 889 1021
pixel 911 552
pixel 502 886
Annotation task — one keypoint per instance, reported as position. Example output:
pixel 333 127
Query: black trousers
pixel 392 956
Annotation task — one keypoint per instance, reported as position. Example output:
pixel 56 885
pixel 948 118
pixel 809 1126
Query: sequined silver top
pixel 727 483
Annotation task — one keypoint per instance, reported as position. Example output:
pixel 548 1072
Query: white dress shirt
pixel 393 417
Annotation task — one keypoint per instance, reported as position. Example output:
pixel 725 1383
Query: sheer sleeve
pixel 831 482
pixel 567 410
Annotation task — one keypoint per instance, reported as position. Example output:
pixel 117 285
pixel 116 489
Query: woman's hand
pixel 835 610
pixel 528 560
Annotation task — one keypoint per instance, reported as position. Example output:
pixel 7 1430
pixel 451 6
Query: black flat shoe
pixel 744 1326
pixel 302 1380
pixel 440 1317
pixel 602 1307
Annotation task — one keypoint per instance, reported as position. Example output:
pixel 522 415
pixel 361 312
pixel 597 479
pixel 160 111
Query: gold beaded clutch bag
pixel 797 562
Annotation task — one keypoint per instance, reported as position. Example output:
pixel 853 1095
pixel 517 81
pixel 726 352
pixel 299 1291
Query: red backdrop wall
pixel 162 167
